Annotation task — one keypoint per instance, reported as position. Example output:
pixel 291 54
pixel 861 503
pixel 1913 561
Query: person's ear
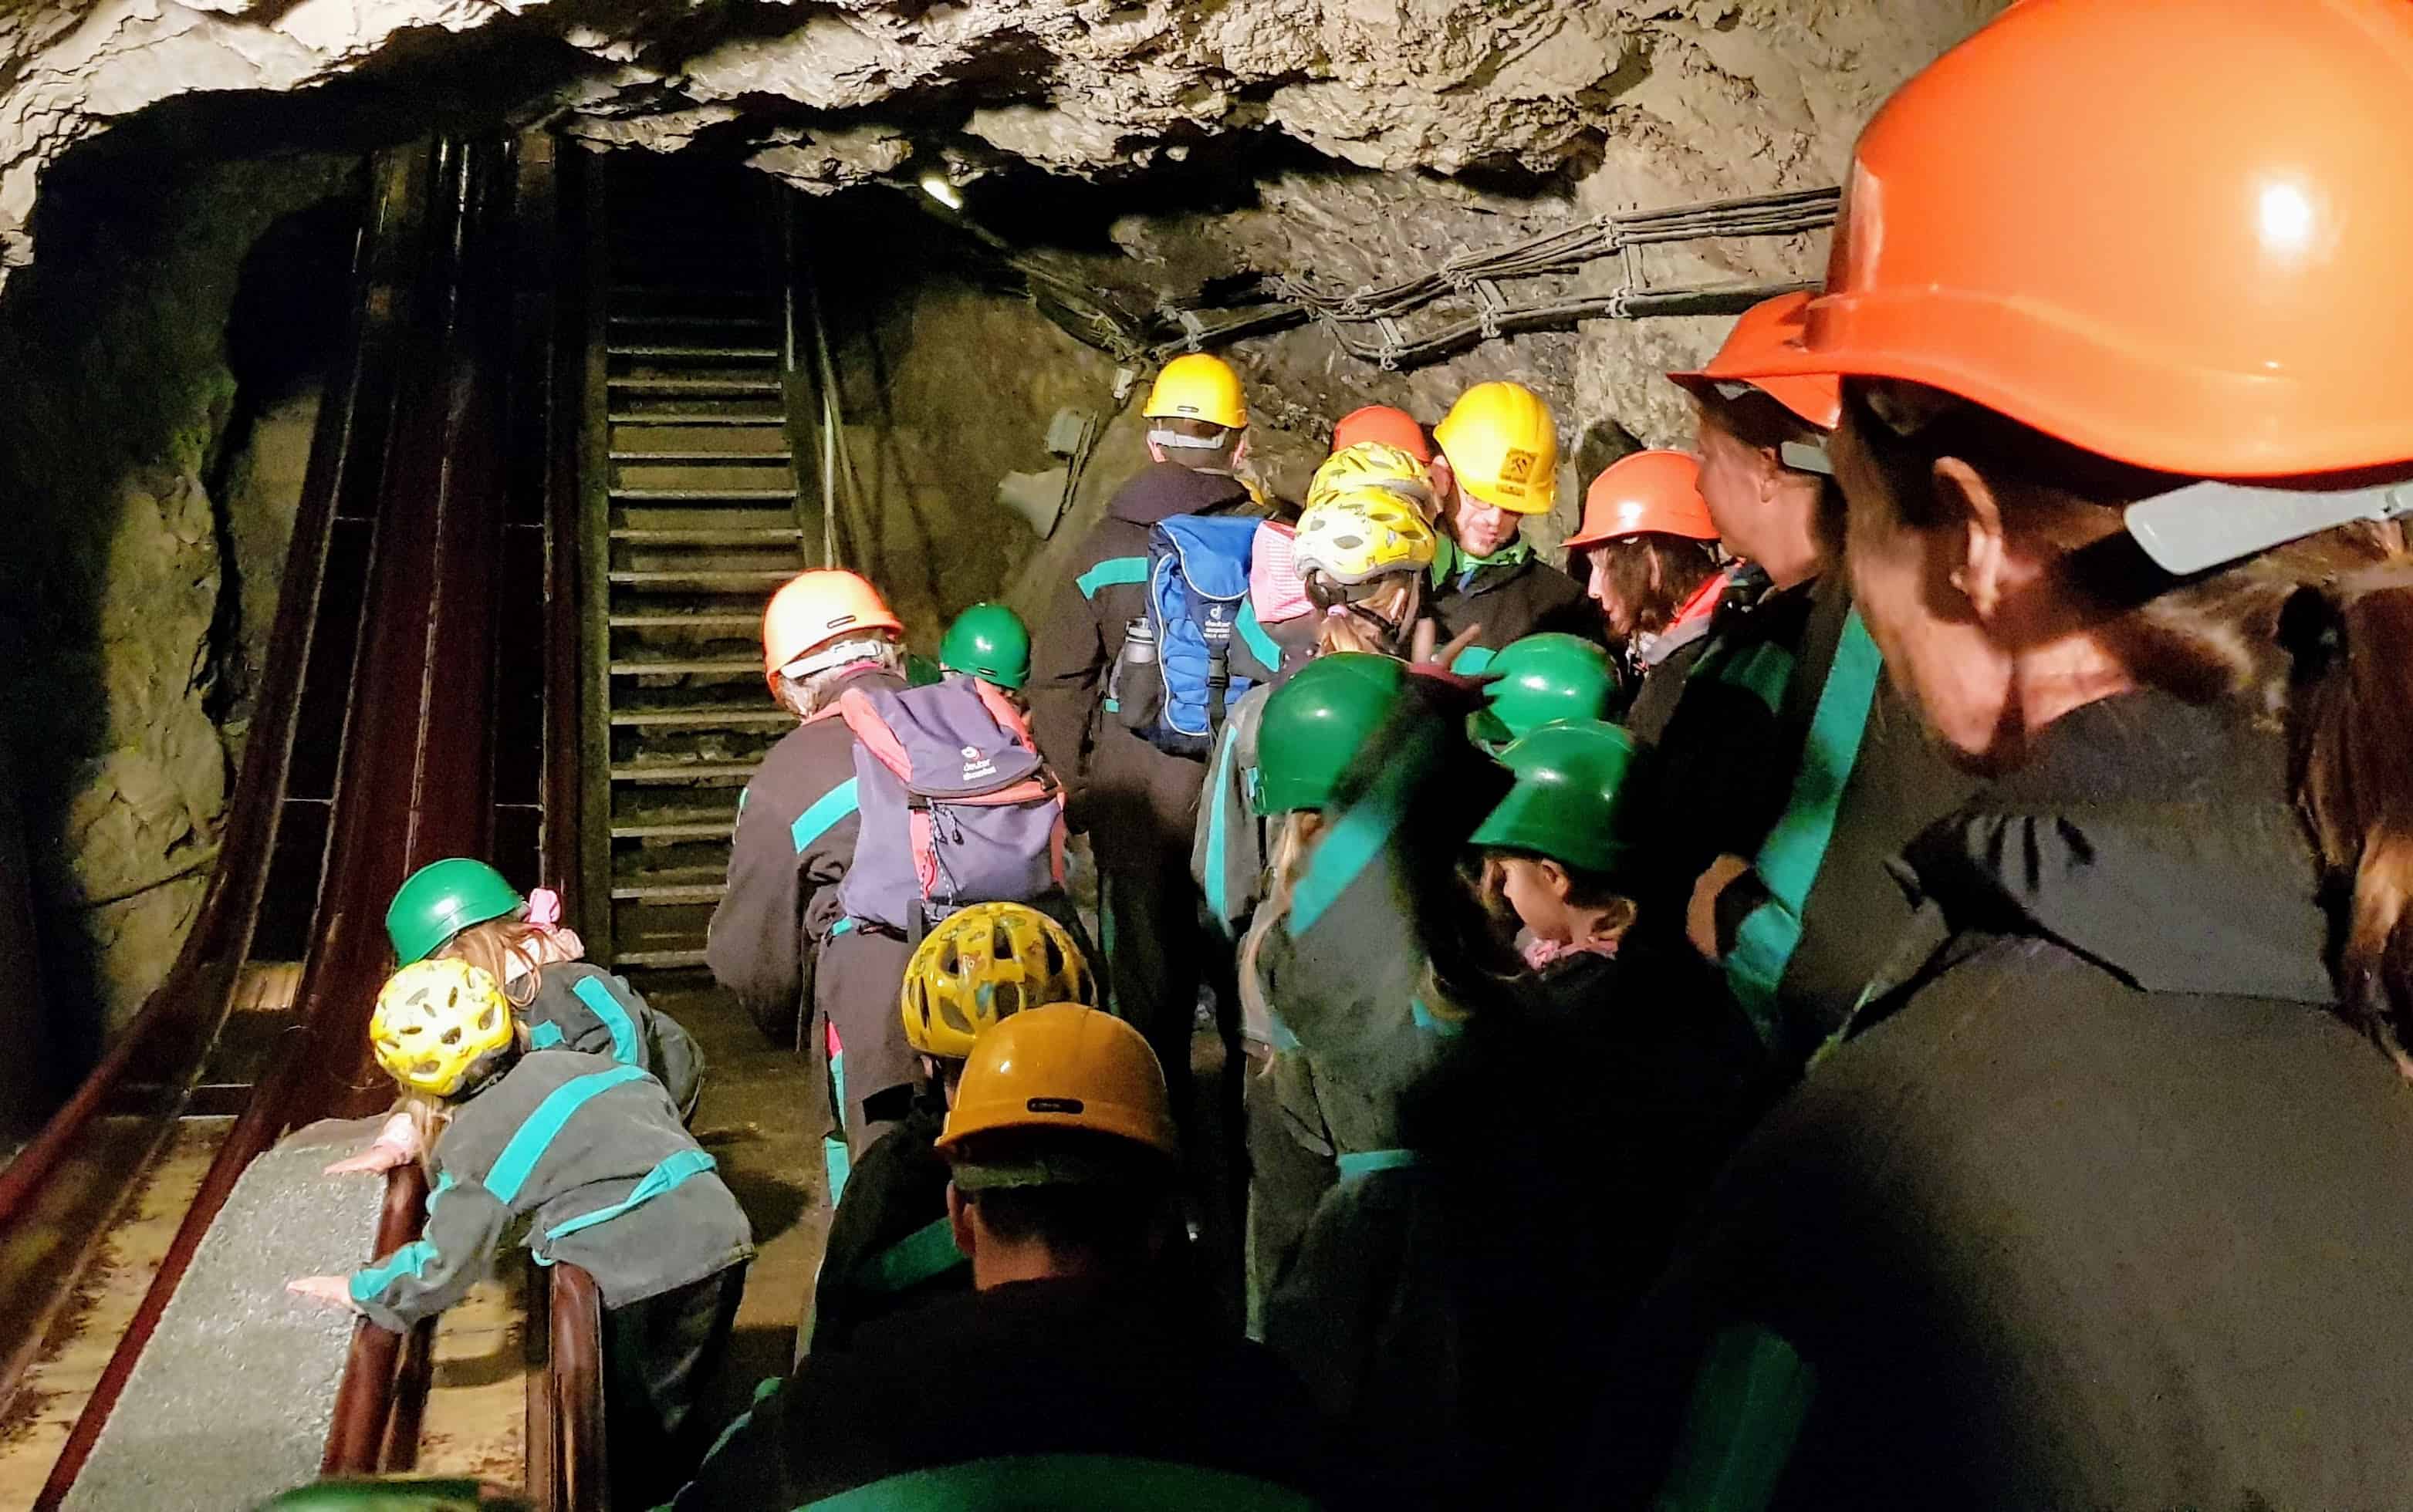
pixel 1980 568
pixel 1444 481
pixel 1240 452
pixel 959 1221
pixel 1554 877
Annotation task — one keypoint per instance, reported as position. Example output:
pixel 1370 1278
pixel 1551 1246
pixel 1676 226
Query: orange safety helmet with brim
pixel 815 608
pixel 2171 236
pixel 1770 326
pixel 1391 426
pixel 1648 492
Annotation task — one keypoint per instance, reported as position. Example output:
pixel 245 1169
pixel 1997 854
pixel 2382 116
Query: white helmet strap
pixel 2206 526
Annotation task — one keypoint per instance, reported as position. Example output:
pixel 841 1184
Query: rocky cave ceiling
pixel 1468 122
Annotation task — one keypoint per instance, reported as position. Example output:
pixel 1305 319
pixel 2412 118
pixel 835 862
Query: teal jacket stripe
pixel 544 1036
pixel 412 1259
pixel 1789 859
pixel 1112 570
pixel 670 1173
pixel 927 1253
pixel 1749 1398
pixel 1363 1163
pixel 1356 839
pixel 1219 829
pixel 530 1142
pixel 591 992
pixel 827 810
pixel 1253 635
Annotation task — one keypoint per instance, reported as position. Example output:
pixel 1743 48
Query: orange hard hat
pixel 1657 492
pixel 1765 329
pixel 1380 422
pixel 2170 235
pixel 813 608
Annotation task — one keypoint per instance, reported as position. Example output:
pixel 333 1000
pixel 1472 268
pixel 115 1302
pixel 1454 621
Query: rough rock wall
pixel 113 588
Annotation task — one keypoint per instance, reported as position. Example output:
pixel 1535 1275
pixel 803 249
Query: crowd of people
pixel 1886 984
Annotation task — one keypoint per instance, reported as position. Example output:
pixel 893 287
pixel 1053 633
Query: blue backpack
pixel 1197 591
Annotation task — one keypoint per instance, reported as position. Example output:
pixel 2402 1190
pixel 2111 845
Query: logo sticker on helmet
pixel 1071 1105
pixel 1517 466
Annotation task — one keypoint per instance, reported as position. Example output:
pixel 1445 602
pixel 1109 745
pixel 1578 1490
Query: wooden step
pixel 701 718
pixel 658 960
pixel 675 831
pixel 707 579
pixel 741 322
pixel 747 665
pixel 668 897
pixel 753 536
pixel 695 386
pixel 692 417
pixel 695 354
pixel 700 458
pixel 735 624
pixel 734 495
pixel 644 772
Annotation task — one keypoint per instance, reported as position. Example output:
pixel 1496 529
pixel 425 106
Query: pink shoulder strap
pixel 873 732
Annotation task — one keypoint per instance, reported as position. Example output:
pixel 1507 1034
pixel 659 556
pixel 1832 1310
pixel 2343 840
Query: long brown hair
pixel 2315 636
pixel 495 947
pixel 1654 573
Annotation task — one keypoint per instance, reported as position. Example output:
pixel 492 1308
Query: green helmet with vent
pixel 440 900
pixel 1575 799
pixel 988 641
pixel 1542 680
pixel 1315 724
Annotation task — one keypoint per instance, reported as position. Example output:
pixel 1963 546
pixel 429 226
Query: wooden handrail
pixel 364 1409
pixel 582 1465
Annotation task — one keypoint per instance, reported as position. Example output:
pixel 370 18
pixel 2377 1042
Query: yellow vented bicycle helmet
pixel 1360 534
pixel 984 965
pixel 1373 465
pixel 437 1023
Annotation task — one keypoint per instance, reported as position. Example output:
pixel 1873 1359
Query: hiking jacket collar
pixel 1165 488
pixel 2151 836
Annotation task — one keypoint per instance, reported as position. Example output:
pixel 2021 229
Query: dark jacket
pixel 594 1157
pixel 1034 1368
pixel 584 1008
pixel 1081 636
pixel 1510 601
pixel 1789 748
pixel 889 1245
pixel 2100 1206
pixel 797 827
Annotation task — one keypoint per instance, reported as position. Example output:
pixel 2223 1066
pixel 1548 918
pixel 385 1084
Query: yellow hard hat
pixel 1501 444
pixel 435 1020
pixel 1198 387
pixel 1063 1066
pixel 982 965
pixel 1373 465
pixel 1360 534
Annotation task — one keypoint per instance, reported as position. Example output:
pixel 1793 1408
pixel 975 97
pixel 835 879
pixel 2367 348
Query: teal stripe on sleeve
pixel 1218 832
pixel 1261 645
pixel 1363 1163
pixel 1356 839
pixel 827 810
pixel 1751 1396
pixel 1474 661
pixel 1111 571
pixel 598 997
pixel 544 1036
pixel 412 1260
pixel 923 1255
pixel 529 1141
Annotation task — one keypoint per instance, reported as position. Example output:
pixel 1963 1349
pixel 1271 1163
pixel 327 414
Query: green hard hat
pixel 1315 724
pixel 1544 678
pixel 988 641
pixel 440 900
pixel 1574 799
pixel 399 1494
